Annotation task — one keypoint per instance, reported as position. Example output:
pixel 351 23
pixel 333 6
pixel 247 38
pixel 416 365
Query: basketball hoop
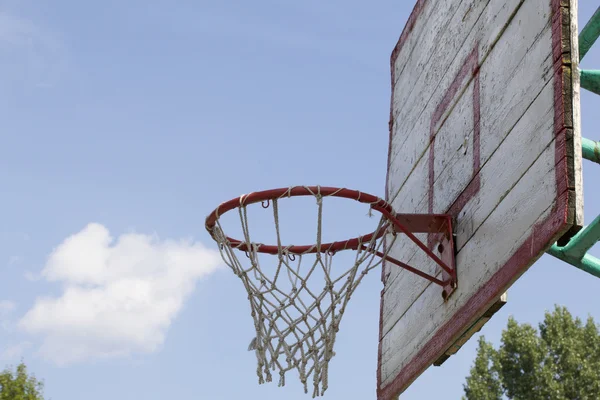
pixel 296 320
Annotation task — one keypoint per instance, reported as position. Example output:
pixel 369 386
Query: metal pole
pixel 583 240
pixel 588 263
pixel 589 34
pixel 575 252
pixel 590 150
pixel 590 80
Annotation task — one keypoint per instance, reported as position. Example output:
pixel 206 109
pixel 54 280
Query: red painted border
pixel 408 28
pixel 470 66
pixel 469 69
pixel 543 234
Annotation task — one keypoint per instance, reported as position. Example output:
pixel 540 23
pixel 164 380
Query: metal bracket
pixel 440 227
pixel 575 251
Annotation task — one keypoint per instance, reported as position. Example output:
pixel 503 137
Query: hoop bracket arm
pixel 439 228
pixel 406 266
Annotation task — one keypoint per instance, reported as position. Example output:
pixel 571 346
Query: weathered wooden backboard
pixel 484 122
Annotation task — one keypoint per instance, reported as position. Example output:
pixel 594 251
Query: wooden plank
pixel 456 346
pixel 529 108
pixel 419 45
pixel 529 196
pixel 511 59
pixel 412 117
pixel 434 57
pixel 575 100
pixel 516 71
pixel 498 176
pixel 430 59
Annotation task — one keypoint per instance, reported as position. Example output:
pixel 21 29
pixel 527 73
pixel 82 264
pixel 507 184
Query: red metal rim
pixel 376 203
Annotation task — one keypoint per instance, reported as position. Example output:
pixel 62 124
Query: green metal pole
pixel 590 80
pixel 583 240
pixel 588 263
pixel 575 252
pixel 590 150
pixel 589 34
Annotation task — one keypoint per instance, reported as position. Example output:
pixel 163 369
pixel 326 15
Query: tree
pixel 18 385
pixel 560 361
pixel 484 382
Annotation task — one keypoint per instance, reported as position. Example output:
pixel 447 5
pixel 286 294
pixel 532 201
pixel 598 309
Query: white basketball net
pixel 296 328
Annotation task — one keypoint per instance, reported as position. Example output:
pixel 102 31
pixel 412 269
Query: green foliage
pixel 560 361
pixel 484 383
pixel 18 385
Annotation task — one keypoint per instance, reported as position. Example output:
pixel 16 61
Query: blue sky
pixel 131 121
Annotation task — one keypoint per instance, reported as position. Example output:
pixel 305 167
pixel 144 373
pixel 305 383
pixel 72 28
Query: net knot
pixel 281 378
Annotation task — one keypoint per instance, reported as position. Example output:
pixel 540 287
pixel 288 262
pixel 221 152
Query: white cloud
pixel 14 352
pixel 119 297
pixel 6 309
pixel 31 276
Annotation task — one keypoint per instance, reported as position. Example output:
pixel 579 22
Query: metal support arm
pixel 590 80
pixel 590 150
pixel 589 34
pixel 439 229
pixel 588 263
pixel 575 252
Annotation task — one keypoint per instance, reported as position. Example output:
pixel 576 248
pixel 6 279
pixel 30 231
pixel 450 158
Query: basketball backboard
pixel 483 126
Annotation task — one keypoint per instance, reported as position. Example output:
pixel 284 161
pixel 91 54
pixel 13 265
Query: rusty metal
pixel 407 224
